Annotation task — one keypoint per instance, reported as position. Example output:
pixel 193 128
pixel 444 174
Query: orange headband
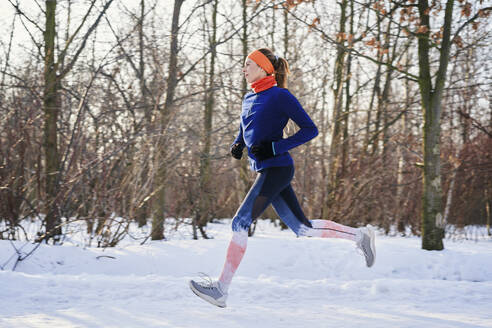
pixel 259 58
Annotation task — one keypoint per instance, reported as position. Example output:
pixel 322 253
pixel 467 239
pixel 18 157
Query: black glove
pixel 263 151
pixel 237 150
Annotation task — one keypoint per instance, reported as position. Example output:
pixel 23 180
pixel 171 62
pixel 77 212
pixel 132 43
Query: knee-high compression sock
pixel 267 185
pixel 235 254
pixel 330 229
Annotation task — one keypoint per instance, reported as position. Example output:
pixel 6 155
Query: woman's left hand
pixel 263 151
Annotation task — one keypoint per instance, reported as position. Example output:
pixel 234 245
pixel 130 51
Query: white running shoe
pixel 210 291
pixel 366 243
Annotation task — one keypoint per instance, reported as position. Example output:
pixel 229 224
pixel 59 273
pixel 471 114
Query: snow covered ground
pixel 283 281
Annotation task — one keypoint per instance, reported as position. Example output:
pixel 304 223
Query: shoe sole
pixel 372 236
pixel 205 297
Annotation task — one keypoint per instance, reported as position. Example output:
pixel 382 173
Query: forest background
pixel 122 112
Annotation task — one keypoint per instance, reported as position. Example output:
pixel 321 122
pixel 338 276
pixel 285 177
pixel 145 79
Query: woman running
pixel 266 111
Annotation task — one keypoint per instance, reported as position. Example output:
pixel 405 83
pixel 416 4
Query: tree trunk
pixel 159 204
pixel 324 171
pixel 465 122
pixel 385 96
pixel 51 110
pixel 272 30
pixel 400 198
pixel 449 197
pixel 336 133
pixel 205 204
pixel 432 216
pixel 376 94
pixel 286 33
pixel 488 212
pixel 348 99
pixel 141 213
pixel 243 181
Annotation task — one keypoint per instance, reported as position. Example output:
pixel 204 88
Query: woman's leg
pixel 289 210
pixel 330 229
pixel 235 253
pixel 266 187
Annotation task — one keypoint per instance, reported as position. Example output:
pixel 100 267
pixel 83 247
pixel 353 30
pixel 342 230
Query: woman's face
pixel 252 72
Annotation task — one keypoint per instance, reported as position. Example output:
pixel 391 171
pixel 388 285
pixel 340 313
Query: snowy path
pixel 283 281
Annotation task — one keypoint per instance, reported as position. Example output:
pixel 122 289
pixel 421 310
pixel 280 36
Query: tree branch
pixel 21 13
pixel 471 20
pixel 84 41
pixel 71 38
pixel 352 50
pixel 475 123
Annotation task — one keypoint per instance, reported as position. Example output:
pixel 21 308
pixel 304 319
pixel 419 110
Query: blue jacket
pixel 263 119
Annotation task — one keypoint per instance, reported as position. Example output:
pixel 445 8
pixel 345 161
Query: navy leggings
pixel 272 186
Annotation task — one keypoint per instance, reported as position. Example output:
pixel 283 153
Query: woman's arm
pixel 295 112
pixel 239 139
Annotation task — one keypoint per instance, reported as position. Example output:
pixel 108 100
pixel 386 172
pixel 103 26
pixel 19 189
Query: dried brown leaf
pixel 466 9
pixel 422 29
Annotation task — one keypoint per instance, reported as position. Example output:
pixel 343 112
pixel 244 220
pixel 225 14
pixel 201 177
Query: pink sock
pixel 235 254
pixel 330 229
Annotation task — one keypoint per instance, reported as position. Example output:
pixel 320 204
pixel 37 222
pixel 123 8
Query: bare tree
pixel 53 75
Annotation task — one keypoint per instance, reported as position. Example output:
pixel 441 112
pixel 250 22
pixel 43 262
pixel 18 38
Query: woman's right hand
pixel 237 151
